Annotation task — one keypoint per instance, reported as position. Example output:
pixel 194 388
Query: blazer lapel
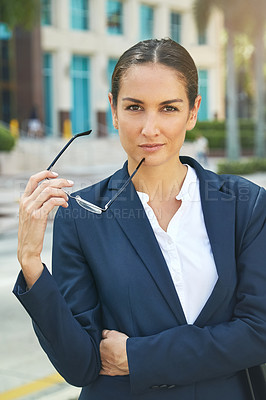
pixel 219 216
pixel 129 213
pixel 219 213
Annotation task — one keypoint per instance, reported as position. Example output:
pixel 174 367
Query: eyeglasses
pixel 84 203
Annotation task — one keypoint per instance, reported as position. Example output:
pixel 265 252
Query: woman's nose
pixel 150 126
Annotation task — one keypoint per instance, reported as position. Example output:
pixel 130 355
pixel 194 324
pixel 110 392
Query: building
pixel 81 41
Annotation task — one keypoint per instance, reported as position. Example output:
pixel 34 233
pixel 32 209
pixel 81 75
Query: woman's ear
pixel 193 114
pixel 114 111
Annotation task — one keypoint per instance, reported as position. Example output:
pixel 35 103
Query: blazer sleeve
pixel 64 307
pixel 186 354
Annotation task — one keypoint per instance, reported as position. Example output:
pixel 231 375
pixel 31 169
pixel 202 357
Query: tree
pixel 248 17
pixel 234 12
pixel 257 24
pixel 24 13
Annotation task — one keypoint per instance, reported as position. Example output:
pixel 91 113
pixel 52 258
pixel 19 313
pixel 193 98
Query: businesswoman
pixel 158 285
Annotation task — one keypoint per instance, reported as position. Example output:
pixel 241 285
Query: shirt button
pixel 171 386
pixel 155 387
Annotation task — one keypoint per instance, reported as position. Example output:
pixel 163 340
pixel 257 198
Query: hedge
pixel 242 167
pixel 215 132
pixel 7 141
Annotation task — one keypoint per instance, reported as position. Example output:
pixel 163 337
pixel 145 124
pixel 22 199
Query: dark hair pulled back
pixel 163 51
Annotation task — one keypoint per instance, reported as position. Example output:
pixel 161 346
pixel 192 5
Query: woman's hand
pixel 113 353
pixel 36 203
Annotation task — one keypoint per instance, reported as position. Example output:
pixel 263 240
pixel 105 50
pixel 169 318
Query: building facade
pixel 81 41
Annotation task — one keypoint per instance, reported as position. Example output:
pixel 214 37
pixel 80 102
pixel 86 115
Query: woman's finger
pixel 48 193
pixel 105 333
pixel 36 179
pixel 42 212
pixel 45 186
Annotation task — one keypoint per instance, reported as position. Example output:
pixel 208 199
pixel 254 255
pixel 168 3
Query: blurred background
pixel 56 62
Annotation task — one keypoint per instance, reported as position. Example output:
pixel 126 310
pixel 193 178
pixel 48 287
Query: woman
pixel 163 295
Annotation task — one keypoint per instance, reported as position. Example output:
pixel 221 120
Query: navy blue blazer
pixel 109 272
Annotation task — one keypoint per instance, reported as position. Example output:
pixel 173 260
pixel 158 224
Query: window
pixel 5 33
pixel 202 38
pixel 203 91
pixel 79 12
pixel 46 12
pixel 111 66
pixel 146 22
pixel 5 61
pixel 48 92
pixel 115 17
pixel 6 105
pixel 7 83
pixel 80 75
pixel 176 27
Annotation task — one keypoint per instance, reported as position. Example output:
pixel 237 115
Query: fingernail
pixel 54 173
pixel 70 182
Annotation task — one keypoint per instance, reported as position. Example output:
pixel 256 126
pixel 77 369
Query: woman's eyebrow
pixel 171 101
pixel 161 104
pixel 133 100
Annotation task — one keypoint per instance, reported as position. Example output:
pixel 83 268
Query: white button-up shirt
pixel 186 248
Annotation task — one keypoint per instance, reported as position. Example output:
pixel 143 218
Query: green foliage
pixel 7 141
pixel 215 132
pixel 24 13
pixel 242 167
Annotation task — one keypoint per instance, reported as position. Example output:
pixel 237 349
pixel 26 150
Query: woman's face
pixel 152 114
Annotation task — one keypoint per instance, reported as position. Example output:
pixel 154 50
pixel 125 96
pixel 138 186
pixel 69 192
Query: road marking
pixel 31 387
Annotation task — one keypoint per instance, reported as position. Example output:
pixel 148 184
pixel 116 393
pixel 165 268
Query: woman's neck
pixel 161 183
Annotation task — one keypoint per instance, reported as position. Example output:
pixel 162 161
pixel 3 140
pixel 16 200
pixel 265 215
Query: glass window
pixel 48 92
pixel 46 12
pixel 5 61
pixel 6 81
pixel 5 33
pixel 115 17
pixel 176 27
pixel 79 12
pixel 80 75
pixel 6 105
pixel 202 38
pixel 146 21
pixel 203 91
pixel 111 66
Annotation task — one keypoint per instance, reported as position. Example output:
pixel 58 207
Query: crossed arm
pixel 44 192
pixel 113 353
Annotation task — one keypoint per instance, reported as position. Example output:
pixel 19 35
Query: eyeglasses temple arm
pixel 66 146
pixel 124 186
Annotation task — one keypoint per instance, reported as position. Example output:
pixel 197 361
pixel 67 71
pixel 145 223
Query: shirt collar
pixel 188 190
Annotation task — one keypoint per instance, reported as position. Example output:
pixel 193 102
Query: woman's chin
pixel 153 161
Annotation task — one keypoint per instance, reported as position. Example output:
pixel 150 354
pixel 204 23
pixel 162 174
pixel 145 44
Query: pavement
pixel 25 372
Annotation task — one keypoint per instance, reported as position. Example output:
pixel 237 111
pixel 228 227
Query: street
pixel 22 360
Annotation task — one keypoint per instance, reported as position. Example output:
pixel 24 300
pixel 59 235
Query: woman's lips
pixel 151 147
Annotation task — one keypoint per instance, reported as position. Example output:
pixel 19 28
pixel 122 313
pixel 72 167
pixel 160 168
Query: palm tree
pixel 246 16
pixel 233 12
pixel 257 23
pixel 19 13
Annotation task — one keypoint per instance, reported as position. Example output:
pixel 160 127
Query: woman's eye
pixel 133 107
pixel 170 108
